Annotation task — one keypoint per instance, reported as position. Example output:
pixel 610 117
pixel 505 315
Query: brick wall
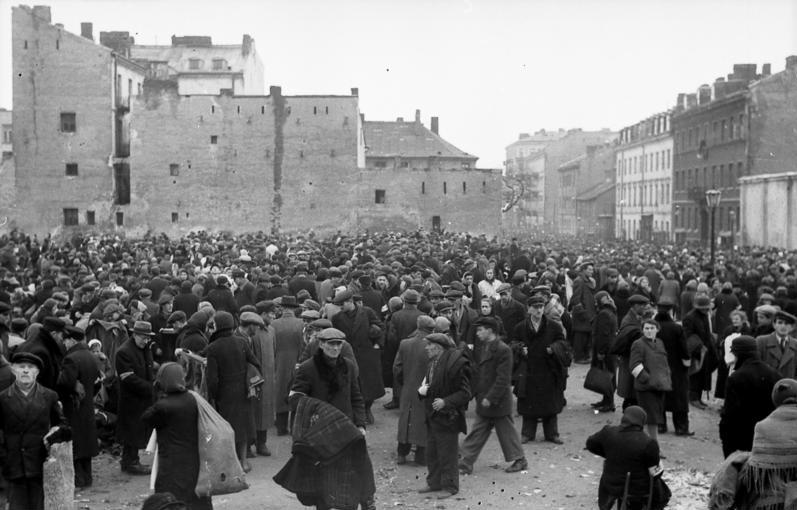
pixel 773 121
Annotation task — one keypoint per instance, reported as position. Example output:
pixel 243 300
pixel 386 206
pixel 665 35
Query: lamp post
pixel 713 199
pixel 676 217
pixel 732 214
pixel 622 225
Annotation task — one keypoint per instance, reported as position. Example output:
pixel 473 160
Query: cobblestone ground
pixel 559 477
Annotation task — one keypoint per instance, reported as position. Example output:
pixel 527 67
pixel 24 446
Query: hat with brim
pixel 536 300
pixel 251 318
pixel 767 310
pixel 504 287
pixel 785 317
pixel 638 299
pixel 27 357
pixel 142 328
pixel 289 302
pixel 331 334
pixel 342 297
pixel 310 315
pixel 702 302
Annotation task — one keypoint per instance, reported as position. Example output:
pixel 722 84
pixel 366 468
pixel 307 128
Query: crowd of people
pixel 274 328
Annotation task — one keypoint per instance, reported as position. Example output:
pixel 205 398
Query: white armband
pixel 637 370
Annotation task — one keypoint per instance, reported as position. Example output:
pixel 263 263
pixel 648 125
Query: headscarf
pixel 170 378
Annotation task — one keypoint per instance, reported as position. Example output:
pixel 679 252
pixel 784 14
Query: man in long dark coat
pixel 604 332
pixel 511 311
pixel 541 373
pixel 676 400
pixel 582 308
pixel 364 331
pixel 697 330
pixel 75 387
pixel 289 339
pixel 630 330
pixel 134 366
pixel 401 325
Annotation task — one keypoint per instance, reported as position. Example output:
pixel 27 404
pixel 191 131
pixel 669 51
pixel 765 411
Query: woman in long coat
pixel 174 416
pixel 228 388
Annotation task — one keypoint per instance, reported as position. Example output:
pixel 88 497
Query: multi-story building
pixel 644 179
pixel 7 178
pixel 418 179
pixel 710 132
pixel 586 183
pixel 6 133
pixel 525 176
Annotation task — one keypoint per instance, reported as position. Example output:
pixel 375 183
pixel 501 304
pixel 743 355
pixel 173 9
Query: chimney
pixel 87 30
pixel 435 126
pixel 703 94
pixel 355 92
pixel 399 119
pixel 766 70
pixel 120 42
pixel 246 46
pixel 275 91
pixel 691 100
pixel 42 12
pixel 417 116
pixel 791 62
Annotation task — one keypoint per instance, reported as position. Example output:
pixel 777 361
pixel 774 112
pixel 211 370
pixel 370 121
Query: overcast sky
pixel 489 69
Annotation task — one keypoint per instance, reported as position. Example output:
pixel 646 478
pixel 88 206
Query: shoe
pixel 465 469
pixel 684 433
pixel 698 404
pixel 599 403
pixel 606 409
pixel 246 466
pixel 263 450
pixel 555 440
pixel 526 439
pixel 428 489
pixel 391 405
pixel 136 469
pixel 518 465
pixel 446 495
pixel 662 429
pixel 401 460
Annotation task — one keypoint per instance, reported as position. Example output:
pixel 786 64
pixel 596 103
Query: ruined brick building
pixel 132 138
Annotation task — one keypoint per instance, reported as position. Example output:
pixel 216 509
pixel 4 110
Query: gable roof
pixel 592 194
pixel 407 139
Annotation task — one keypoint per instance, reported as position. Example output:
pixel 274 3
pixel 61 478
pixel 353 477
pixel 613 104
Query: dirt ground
pixel 559 477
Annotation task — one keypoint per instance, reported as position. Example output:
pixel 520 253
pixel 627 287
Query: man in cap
pixel 409 369
pixel 288 341
pixel 672 336
pixel 221 297
pixel 5 325
pixel 493 393
pixel 779 349
pixel 630 330
pixel 699 334
pixel 31 419
pixel 511 311
pixel 400 326
pixel 764 314
pixel 748 393
pixel 539 345
pixel 604 333
pixel 48 346
pixel 245 290
pixel 446 392
pixel 629 455
pixel 582 309
pixel 253 328
pixel 136 371
pixel 301 281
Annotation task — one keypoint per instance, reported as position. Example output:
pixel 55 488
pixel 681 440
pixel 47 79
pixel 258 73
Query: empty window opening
pixel 445 188
pixel 326 110
pixel 175 217
pixel 423 188
pixel 121 183
pixel 90 218
pixel 263 110
pixel 379 196
pixel 70 217
pixel 68 122
pixel 315 110
pixel 71 169
pixel 174 169
pixel 464 187
pixel 212 109
pixel 239 109
pixel 484 186
pixel 380 164
pixel 120 219
pixel 214 139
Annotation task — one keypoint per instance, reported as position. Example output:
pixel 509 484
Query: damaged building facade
pixel 115 136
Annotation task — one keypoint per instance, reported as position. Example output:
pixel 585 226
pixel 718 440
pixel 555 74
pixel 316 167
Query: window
pixel 138 85
pixel 70 217
pixel 405 164
pixel 484 186
pixel 90 218
pixel 219 64
pixel 121 173
pixel 379 196
pixel 722 133
pixel 465 165
pixel 71 169
pixel 7 133
pixel 174 169
pixel 68 122
pixel 380 164
pixel 464 187
pixel 214 139
pixel 175 217
pixel 445 188
pixel 423 188
pixel 120 219
pixel 742 134
pixel 194 64
pixel 315 110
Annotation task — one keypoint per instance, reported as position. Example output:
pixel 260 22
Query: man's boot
pixel 260 443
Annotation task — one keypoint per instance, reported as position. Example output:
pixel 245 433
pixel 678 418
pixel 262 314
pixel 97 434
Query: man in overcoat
pixel 604 332
pixel 288 339
pixel 538 344
pixel 409 370
pixel 582 309
pixel 779 349
pixel 509 310
pixel 698 332
pixel 630 330
pixel 493 394
pixel 400 326
pixel 672 336
pixel 134 367
pixel 75 386
pixel 364 331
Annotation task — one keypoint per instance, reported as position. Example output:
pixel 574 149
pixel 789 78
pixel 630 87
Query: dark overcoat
pixel 495 380
pixel 336 385
pixel 627 449
pixel 24 422
pixel 50 352
pixel 409 369
pixel 228 387
pixel 582 304
pixel 748 400
pixel 771 353
pixel 174 417
pixel 80 365
pixel 672 335
pixel 450 382
pixel 604 331
pixel 400 326
pixel 360 327
pixel 135 393
pixel 540 377
pixel 511 314
pixel 289 339
pixel 696 323
pixel 630 330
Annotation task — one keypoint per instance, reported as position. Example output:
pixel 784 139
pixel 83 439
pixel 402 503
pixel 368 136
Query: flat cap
pixel 786 317
pixel 265 306
pixel 504 287
pixel 27 357
pixel 53 324
pixel 536 300
pixel 310 315
pixel 702 302
pixel 767 310
pixel 248 318
pixel 331 334
pixel 321 324
pixel 638 299
pixel 411 297
pixel 487 322
pixel 342 296
pixel 177 316
pixel 165 298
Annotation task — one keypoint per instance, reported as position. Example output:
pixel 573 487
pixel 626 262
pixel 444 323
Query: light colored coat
pixel 410 368
pixel 264 348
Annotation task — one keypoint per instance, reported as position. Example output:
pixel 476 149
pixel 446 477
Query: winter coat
pixel 135 393
pixel 697 324
pixel 364 332
pixel 24 421
pixel 724 304
pixel 511 314
pixel 186 302
pixel 80 365
pixel 263 347
pixel 450 381
pixel 409 369
pixel 223 301
pixel 627 449
pixel 336 385
pixel 672 336
pixel 582 304
pixel 400 326
pixel 630 330
pixel 288 338
pixel 494 381
pixel 748 400
pixel 228 387
pixel 111 334
pixel 540 376
pixel 655 374
pixel 604 331
pixel 771 353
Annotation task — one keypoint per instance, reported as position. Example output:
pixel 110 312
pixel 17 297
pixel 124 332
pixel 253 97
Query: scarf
pixel 773 461
pixel 334 376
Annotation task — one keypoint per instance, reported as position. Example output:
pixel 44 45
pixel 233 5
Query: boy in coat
pixel 493 402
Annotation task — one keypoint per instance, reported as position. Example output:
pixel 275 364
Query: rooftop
pixel 407 139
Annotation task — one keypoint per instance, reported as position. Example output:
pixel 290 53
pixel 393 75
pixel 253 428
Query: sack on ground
pixel 59 478
pixel 220 472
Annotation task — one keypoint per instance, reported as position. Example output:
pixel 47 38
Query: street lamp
pixel 622 225
pixel 732 214
pixel 713 199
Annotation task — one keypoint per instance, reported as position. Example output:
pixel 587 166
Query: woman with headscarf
pixel 174 416
pixel 738 326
